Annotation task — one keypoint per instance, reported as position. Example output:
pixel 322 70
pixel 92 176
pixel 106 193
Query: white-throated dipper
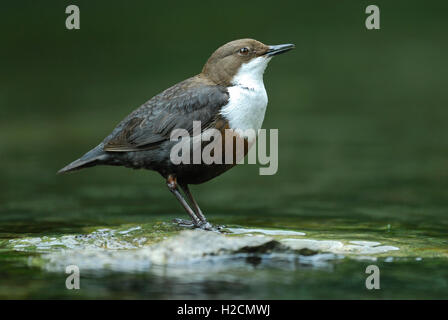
pixel 228 94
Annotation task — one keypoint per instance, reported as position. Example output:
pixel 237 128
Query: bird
pixel 228 94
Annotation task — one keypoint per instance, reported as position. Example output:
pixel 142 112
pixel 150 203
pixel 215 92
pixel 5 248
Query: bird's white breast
pixel 248 98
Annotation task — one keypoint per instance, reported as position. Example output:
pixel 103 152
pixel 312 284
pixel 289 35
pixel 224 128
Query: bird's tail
pixel 90 159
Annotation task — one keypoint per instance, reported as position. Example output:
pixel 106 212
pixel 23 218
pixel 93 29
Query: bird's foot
pixel 184 223
pixel 207 226
pixel 204 225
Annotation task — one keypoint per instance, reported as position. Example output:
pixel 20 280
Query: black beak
pixel 281 48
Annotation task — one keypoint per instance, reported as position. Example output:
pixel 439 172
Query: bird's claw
pixel 184 223
pixel 204 225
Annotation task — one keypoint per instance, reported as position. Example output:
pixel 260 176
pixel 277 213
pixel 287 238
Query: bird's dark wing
pixel 175 108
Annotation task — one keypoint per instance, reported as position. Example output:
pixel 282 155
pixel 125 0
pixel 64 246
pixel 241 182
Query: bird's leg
pixel 204 223
pixel 171 182
pixel 196 208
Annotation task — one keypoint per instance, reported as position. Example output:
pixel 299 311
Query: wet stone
pixel 141 248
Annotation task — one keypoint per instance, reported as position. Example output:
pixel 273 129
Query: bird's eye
pixel 244 51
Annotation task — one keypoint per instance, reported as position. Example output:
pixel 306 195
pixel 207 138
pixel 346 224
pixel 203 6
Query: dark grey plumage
pixel 141 140
pixel 175 108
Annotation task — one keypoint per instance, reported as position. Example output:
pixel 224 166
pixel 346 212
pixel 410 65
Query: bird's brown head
pixel 226 62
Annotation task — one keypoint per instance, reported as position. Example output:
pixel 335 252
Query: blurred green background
pixel 361 114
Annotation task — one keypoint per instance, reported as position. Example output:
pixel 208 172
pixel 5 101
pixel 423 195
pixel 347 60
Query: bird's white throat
pixel 248 99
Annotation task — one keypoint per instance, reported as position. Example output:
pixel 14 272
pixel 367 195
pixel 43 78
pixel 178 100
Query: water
pixel 363 148
pixel 113 267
